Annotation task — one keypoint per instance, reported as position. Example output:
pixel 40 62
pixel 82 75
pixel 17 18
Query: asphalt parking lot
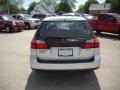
pixel 15 72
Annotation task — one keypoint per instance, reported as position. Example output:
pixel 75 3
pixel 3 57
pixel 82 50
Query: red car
pixel 8 23
pixel 107 22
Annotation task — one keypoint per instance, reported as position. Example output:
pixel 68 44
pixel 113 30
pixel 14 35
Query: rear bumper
pixel 65 66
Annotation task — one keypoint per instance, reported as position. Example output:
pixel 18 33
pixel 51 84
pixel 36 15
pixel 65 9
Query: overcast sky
pixel 79 2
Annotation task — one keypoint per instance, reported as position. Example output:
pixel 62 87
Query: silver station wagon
pixel 65 43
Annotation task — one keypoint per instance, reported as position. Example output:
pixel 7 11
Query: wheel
pixel 98 32
pixel 36 70
pixel 20 30
pixel 27 26
pixel 119 33
pixel 8 29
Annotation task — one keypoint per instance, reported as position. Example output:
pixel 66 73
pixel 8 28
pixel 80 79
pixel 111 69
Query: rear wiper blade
pixel 55 37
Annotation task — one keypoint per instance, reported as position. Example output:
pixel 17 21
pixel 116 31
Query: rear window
pixel 39 16
pixel 117 16
pixel 8 17
pixel 35 16
pixel 65 29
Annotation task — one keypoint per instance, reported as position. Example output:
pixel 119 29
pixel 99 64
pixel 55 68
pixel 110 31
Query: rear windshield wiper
pixel 52 37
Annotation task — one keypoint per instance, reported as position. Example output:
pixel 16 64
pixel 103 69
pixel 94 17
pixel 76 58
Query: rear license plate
pixel 65 52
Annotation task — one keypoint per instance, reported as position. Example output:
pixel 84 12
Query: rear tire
pixel 8 29
pixel 36 70
pixel 98 32
pixel 27 26
pixel 119 33
pixel 20 30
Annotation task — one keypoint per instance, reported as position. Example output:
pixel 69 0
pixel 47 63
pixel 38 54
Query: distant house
pixel 96 9
pixel 44 7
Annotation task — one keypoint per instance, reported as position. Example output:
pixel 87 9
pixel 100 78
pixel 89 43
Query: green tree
pixel 88 3
pixel 32 6
pixel 8 4
pixel 13 9
pixel 21 10
pixel 69 2
pixel 108 1
pixel 115 4
pixel 81 8
pixel 63 7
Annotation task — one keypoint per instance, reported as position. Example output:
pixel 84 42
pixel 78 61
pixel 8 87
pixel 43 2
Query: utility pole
pixel 8 8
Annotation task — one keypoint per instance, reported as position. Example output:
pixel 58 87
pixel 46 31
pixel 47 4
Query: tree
pixel 54 2
pixel 32 6
pixel 21 10
pixel 81 8
pixel 69 2
pixel 115 4
pixel 63 7
pixel 8 4
pixel 108 1
pixel 88 3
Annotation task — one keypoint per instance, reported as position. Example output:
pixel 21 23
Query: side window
pixel 111 18
pixel 103 17
pixel 0 17
pixel 14 17
pixel 19 18
pixel 34 16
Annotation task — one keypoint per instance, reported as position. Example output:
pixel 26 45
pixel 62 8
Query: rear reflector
pixel 41 46
pixel 89 45
pixel 97 43
pixel 94 44
pixel 35 45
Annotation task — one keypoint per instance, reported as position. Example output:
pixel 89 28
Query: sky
pixel 79 2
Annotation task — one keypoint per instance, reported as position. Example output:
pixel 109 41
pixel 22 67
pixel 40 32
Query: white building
pixel 44 7
pixel 96 9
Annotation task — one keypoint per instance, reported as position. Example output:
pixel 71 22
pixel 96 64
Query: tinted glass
pixel 8 17
pixel 25 16
pixel 41 16
pixel 103 17
pixel 110 18
pixel 117 16
pixel 67 29
pixel 0 17
pixel 35 16
pixel 14 17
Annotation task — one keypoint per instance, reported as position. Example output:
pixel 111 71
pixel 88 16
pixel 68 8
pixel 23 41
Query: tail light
pixel 92 44
pixel 40 45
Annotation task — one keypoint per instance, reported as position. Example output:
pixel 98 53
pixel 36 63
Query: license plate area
pixel 65 52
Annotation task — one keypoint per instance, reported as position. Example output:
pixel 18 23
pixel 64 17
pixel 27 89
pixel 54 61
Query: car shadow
pixel 108 36
pixel 77 80
pixel 4 32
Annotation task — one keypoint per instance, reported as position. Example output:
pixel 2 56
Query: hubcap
pixel 8 29
pixel 27 26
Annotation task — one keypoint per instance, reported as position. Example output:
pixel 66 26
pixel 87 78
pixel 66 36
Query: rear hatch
pixel 64 40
